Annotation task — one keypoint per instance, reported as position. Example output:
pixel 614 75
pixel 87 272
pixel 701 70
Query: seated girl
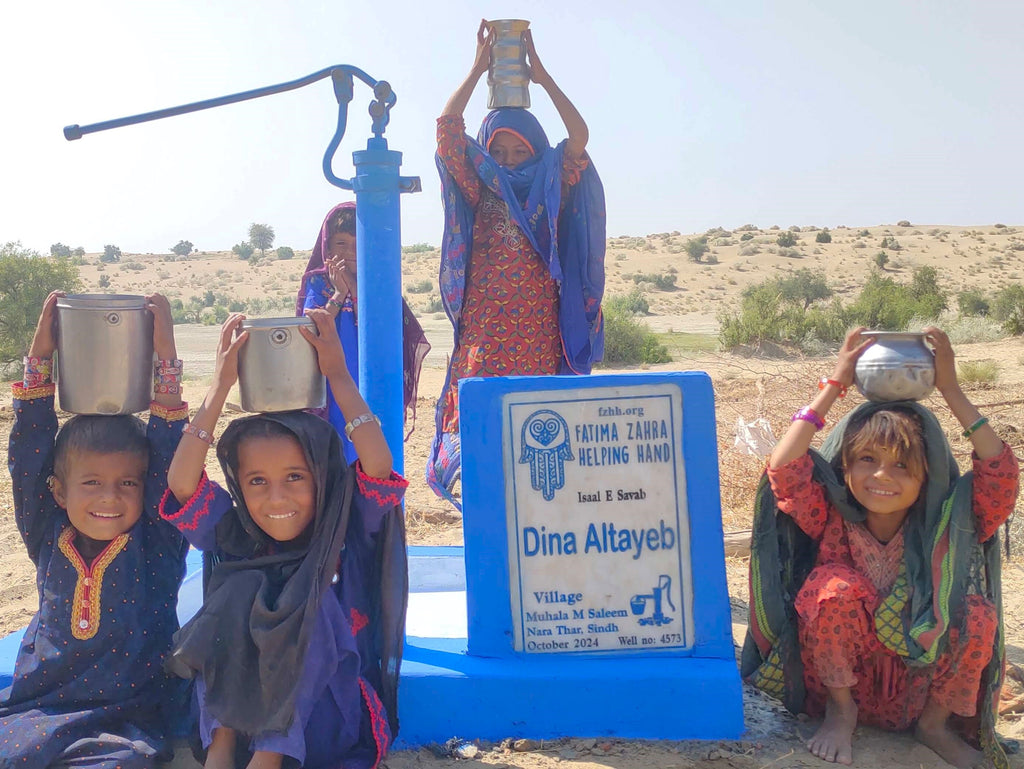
pixel 875 570
pixel 296 648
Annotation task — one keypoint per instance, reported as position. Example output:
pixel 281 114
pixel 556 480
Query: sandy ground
pixel 746 388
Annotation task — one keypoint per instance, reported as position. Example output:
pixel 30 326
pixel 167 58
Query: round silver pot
pixel 897 367
pixel 104 354
pixel 277 368
pixel 508 79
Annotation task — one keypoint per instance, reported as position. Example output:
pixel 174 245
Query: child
pixel 522 258
pixel 299 637
pixel 89 688
pixel 883 607
pixel 330 282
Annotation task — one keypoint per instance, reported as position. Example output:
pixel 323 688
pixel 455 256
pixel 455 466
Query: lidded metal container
pixel 104 354
pixel 508 78
pixel 897 367
pixel 278 368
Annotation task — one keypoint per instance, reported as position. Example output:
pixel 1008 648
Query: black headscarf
pixel 249 639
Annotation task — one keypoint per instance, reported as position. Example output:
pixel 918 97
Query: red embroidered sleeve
pixel 995 489
pixel 22 393
pixel 384 492
pixel 799 497
pixel 451 148
pixel 197 518
pixel 573 168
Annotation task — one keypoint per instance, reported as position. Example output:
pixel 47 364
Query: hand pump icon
pixel 377 186
pixel 663 591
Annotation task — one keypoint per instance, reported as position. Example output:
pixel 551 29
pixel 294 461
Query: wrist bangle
pixel 360 420
pixel 825 381
pixel 807 414
pixel 974 428
pixel 197 432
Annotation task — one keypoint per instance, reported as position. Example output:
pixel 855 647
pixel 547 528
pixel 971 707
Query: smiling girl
pixel 295 651
pixel 875 570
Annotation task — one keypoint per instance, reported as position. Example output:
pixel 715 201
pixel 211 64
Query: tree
pixel 285 252
pixel 25 280
pixel 111 254
pixel 261 236
pixel 60 251
pixel 803 287
pixel 881 259
pixel 242 250
pixel 79 252
pixel 184 248
pixel 696 248
pixel 786 239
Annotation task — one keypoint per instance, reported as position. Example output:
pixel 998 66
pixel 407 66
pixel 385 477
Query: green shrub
pixel 747 236
pixel 434 304
pixel 823 237
pixel 980 372
pixel 285 252
pixel 972 302
pixel 110 254
pixel 630 341
pixel 696 248
pixel 104 281
pixel 891 243
pixel 421 288
pixel 417 248
pixel 634 303
pixel 881 259
pixel 243 250
pixel 786 239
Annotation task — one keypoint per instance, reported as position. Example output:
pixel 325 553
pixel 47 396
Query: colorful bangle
pixel 824 381
pixel 172 366
pixel 339 304
pixel 197 432
pixel 38 371
pixel 973 428
pixel 172 388
pixel 807 414
pixel 360 420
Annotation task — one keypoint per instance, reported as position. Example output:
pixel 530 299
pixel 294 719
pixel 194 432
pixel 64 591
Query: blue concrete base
pixel 446 693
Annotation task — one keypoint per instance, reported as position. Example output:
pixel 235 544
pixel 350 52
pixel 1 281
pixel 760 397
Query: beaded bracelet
pixel 167 388
pixel 825 381
pixel 973 428
pixel 198 432
pixel 168 367
pixel 807 414
pixel 37 371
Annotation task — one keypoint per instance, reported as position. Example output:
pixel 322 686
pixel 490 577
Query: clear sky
pixel 700 113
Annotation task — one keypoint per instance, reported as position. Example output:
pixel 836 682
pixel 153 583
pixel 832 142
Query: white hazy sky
pixel 701 114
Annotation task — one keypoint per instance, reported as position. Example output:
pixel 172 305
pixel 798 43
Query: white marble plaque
pixel 599 552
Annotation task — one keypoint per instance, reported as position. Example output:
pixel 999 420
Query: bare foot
pixel 221 753
pixel 834 739
pixel 949 746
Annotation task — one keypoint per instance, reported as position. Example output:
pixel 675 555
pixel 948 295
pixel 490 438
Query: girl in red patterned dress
pixel 888 632
pixel 522 260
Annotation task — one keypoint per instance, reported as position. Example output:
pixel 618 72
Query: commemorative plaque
pixel 598 530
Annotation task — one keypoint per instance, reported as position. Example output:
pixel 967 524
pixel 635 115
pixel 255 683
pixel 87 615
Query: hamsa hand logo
pixel 546 447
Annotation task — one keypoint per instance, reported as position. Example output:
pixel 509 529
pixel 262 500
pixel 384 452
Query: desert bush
pixel 243 250
pixel 786 239
pixel 999 226
pixel 747 228
pixel 285 253
pixel 823 237
pixel 417 248
pixel 780 310
pixel 881 259
pixel 422 287
pixel 978 372
pixel 891 243
pixel 885 304
pixel 750 250
pixel 104 281
pixel 434 304
pixel 60 251
pixel 634 303
pixel 696 248
pixel 962 329
pixel 628 340
pixel 747 236
pixel 110 254
pixel 790 253
pixel 664 281
pixel 903 223
pixel 972 302
pixel 182 248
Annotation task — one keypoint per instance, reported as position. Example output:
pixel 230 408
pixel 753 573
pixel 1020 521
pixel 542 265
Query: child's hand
pixel 343 281
pixel 163 326
pixel 945 361
pixel 226 372
pixel 329 354
pixel 44 342
pixel 485 37
pixel 853 347
pixel 538 74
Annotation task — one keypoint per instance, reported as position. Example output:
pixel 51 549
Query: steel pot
pixel 278 368
pixel 508 78
pixel 897 367
pixel 104 354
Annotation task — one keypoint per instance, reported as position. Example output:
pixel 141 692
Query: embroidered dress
pixel 338 716
pixel 89 687
pixel 529 278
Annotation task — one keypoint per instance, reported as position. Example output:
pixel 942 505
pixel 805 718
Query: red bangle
pixel 838 385
pixel 807 414
pixel 198 432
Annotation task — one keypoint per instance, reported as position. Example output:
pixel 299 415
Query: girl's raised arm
pixel 579 134
pixel 484 42
pixel 797 440
pixel 186 470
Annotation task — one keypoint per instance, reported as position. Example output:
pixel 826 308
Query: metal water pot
pixel 897 367
pixel 277 367
pixel 508 79
pixel 104 354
